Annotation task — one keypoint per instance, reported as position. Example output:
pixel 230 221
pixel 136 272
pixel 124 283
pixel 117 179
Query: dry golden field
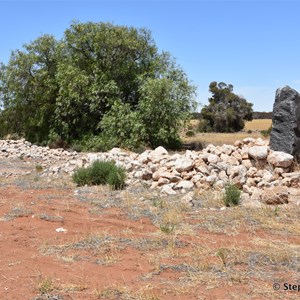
pixel 254 126
pixel 258 124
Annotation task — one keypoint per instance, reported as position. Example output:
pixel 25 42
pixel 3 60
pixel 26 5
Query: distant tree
pixel 226 111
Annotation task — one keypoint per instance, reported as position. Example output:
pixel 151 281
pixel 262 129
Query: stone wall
pixel 250 164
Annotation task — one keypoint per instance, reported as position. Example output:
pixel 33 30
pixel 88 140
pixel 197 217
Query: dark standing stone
pixel 285 134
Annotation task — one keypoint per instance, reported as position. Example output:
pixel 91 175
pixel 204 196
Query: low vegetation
pixel 232 195
pixel 101 172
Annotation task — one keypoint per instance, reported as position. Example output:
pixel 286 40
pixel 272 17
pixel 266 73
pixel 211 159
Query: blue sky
pixel 254 45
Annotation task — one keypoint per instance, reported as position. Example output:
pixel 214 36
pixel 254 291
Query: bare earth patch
pixel 59 241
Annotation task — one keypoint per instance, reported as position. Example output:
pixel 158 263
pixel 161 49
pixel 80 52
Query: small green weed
pixel 167 228
pixel 266 133
pixel 38 168
pixel 232 195
pixel 45 285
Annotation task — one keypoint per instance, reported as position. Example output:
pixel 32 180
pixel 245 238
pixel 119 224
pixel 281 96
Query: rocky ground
pixel 166 236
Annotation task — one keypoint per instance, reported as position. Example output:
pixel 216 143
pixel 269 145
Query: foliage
pixel 204 126
pixel 101 81
pixel 165 103
pixel 116 178
pixel 122 127
pixel 101 172
pixel 167 228
pixel 266 133
pixel 28 90
pixel 232 195
pixel 226 111
pixel 190 133
pixel 38 168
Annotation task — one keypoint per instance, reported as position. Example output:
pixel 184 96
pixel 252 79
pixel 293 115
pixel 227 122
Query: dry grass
pixel 254 126
pixel 122 292
pixel 258 124
pixel 17 211
pixel 220 138
pixel 45 285
pixel 99 248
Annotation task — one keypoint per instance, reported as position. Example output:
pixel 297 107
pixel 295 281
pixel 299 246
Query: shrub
pixel 266 133
pixel 116 178
pixel 39 168
pixel 167 228
pixel 190 133
pixel 77 148
pixel 232 195
pixel 204 126
pixel 81 176
pixel 101 172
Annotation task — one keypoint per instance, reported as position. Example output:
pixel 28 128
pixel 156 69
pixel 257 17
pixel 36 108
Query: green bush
pixel 190 133
pixel 232 195
pixel 204 126
pixel 116 178
pixel 99 86
pixel 81 176
pixel 101 172
pixel 76 147
pixel 266 133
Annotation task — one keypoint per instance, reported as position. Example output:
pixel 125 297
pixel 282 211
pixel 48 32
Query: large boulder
pixel 285 134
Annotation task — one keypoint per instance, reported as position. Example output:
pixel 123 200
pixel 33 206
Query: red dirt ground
pixel 102 255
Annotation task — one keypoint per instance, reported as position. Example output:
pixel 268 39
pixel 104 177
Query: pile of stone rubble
pixel 261 173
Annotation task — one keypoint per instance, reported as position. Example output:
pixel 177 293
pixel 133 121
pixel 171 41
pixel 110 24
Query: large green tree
pixel 89 82
pixel 226 111
pixel 101 63
pixel 29 89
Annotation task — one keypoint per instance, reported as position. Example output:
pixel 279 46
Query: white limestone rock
pixel 258 152
pixel 183 164
pixel 167 189
pixel 280 159
pixel 185 184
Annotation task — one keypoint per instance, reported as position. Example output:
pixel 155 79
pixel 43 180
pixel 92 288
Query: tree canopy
pixel 226 111
pixel 100 81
